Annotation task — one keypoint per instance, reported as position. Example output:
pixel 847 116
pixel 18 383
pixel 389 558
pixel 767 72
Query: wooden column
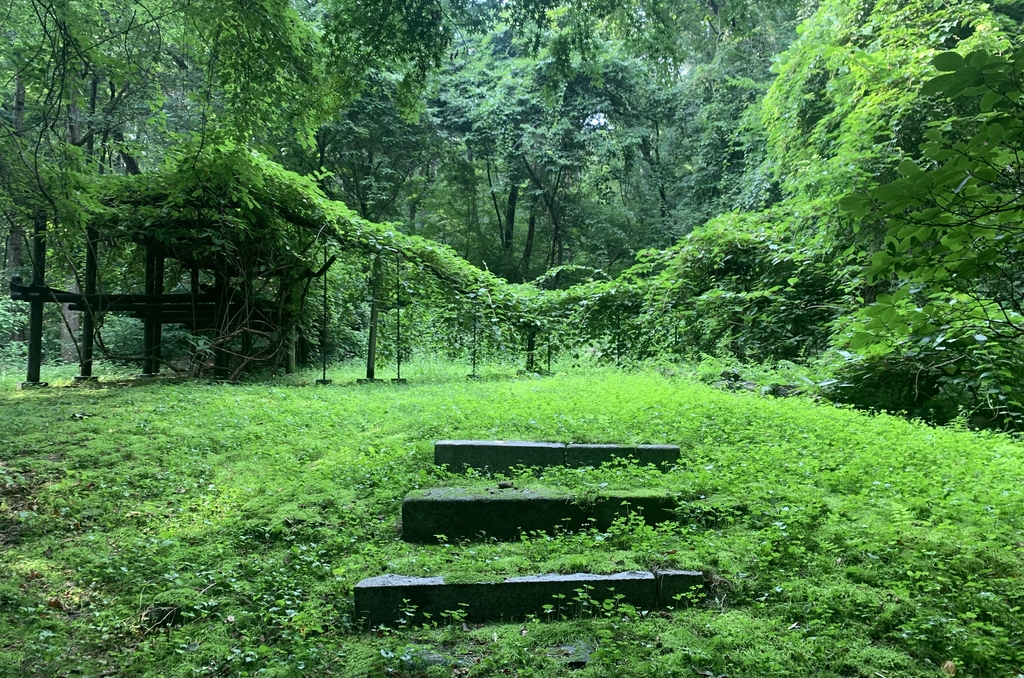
pixel 158 319
pixel 35 317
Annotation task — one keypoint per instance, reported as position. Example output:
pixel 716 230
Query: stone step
pixel 662 456
pixel 504 513
pixel 499 456
pixel 391 599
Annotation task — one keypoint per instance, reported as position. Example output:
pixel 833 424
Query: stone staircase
pixel 503 512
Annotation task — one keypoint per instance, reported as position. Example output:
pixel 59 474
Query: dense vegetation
pixel 841 544
pixel 758 180
pixel 808 196
pixel 823 194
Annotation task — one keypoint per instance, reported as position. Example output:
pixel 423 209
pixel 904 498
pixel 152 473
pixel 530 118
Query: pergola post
pixel 35 317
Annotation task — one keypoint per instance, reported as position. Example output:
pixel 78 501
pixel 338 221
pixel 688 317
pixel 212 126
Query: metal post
pixel 618 338
pixel 289 365
pixel 474 375
pixel 531 351
pixel 398 318
pixel 88 315
pixel 323 381
pixel 148 361
pixel 371 350
pixel 35 317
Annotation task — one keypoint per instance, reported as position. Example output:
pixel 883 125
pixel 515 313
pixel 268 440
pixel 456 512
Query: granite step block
pixel 499 456
pixel 678 588
pixel 662 456
pixel 496 456
pixel 504 513
pixel 391 599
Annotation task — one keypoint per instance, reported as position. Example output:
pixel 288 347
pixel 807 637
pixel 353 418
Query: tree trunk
pixel 557 254
pixel 18 117
pixel 510 219
pixel 16 236
pixel 531 231
pixel 494 201
pixel 131 165
pixel 90 144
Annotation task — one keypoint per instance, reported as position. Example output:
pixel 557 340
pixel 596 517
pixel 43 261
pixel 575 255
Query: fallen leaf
pixel 949 668
pixel 465 627
pixel 231 619
pixel 795 625
pixel 522 631
pixel 57 605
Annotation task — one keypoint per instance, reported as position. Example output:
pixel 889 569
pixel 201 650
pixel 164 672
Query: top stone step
pixel 499 456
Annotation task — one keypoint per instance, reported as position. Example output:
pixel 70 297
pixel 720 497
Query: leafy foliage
pixel 839 543
pixel 953 244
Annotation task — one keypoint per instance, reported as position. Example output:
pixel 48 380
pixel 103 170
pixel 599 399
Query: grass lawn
pixel 836 543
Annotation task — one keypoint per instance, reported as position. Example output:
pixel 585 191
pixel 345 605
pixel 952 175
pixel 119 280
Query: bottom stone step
pixel 391 599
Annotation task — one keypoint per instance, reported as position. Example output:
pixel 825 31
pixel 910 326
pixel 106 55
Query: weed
pixel 836 543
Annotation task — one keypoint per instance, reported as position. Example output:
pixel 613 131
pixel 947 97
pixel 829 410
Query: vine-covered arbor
pixel 231 244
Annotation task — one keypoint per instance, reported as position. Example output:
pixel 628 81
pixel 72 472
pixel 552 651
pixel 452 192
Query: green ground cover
pixel 838 543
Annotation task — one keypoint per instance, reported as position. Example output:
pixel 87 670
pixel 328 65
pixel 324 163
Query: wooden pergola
pixel 206 308
pixel 251 235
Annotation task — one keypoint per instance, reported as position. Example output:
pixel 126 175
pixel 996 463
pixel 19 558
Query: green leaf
pixel 908 167
pixel 860 340
pixel 989 101
pixel 937 84
pixel 854 202
pixel 948 61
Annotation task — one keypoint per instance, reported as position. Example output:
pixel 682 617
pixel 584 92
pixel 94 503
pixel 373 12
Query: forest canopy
pixel 831 183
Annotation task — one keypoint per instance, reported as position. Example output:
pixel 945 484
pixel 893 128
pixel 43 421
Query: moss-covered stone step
pixel 499 456
pixel 662 456
pixel 503 513
pixel 392 599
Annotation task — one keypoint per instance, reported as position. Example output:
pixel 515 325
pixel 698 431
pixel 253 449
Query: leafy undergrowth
pixel 197 529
